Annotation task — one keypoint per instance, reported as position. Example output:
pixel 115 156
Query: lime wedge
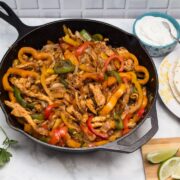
pixel 162 155
pixel 168 168
pixel 176 173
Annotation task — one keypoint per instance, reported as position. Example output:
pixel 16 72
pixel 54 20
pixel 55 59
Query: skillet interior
pixel 52 31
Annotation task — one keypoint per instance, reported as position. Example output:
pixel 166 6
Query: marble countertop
pixel 31 161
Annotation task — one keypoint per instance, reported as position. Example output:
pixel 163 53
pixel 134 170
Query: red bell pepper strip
pixel 58 134
pixel 89 124
pixel 140 112
pixel 91 136
pixel 125 124
pixel 82 48
pixel 49 109
pixel 114 56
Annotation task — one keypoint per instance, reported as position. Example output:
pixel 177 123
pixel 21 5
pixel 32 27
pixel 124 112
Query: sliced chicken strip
pixel 90 105
pixel 29 93
pixel 19 111
pixel 98 95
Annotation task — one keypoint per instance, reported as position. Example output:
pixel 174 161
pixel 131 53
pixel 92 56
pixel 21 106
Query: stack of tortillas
pixel 174 79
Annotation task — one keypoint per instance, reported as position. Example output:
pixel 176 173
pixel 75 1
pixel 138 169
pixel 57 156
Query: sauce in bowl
pixel 151 30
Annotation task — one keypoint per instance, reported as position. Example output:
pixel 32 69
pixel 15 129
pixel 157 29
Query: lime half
pixel 169 168
pixel 176 173
pixel 162 155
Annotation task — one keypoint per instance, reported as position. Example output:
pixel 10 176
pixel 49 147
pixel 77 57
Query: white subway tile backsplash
pixel 71 14
pixel 11 3
pixel 137 4
pixel 158 4
pixel 175 13
pixel 93 13
pixel 92 8
pixel 28 4
pixel 115 13
pixel 49 4
pixel 175 4
pixel 135 13
pixel 93 4
pixel 29 13
pixel 68 4
pixel 114 4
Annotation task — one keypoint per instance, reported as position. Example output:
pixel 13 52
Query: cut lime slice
pixel 162 155
pixel 176 173
pixel 168 168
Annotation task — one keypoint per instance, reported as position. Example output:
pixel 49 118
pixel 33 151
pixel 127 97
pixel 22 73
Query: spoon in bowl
pixel 166 25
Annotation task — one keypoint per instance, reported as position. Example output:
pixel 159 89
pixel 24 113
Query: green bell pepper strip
pixel 116 75
pixel 38 116
pixel 97 37
pixel 85 35
pixel 20 99
pixel 63 67
pixel 119 125
pixel 118 120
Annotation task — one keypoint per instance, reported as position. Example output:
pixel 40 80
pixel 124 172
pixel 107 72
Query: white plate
pixel 164 89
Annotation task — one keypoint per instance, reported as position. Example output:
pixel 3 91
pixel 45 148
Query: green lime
pixel 168 168
pixel 162 155
pixel 176 173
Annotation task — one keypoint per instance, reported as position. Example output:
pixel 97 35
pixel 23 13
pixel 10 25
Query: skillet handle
pixel 128 144
pixel 14 20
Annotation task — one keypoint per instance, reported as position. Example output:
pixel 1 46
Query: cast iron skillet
pixel 37 36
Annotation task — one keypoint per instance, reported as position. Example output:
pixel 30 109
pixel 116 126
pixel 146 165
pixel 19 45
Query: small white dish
pixel 165 91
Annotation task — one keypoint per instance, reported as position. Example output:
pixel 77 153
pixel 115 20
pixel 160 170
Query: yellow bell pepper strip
pixel 65 29
pixel 71 142
pixel 69 124
pixel 141 111
pixel 143 70
pixel 70 41
pixel 112 80
pixel 86 68
pixel 116 75
pixel 82 48
pixel 103 56
pixel 94 76
pixel 35 54
pixel 127 55
pixel 138 104
pixel 43 56
pixel 11 96
pixel 43 81
pixel 69 55
pixel 50 71
pixel 113 100
pixel 26 50
pixel 114 56
pixel 98 143
pixel 16 71
pixel 115 135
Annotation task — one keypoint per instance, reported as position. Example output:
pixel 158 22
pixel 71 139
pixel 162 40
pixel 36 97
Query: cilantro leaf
pixel 4 156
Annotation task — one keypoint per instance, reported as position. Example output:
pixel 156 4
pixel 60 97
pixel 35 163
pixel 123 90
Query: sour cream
pixel 151 30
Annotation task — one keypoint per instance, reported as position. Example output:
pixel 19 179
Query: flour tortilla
pixel 171 78
pixel 177 77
